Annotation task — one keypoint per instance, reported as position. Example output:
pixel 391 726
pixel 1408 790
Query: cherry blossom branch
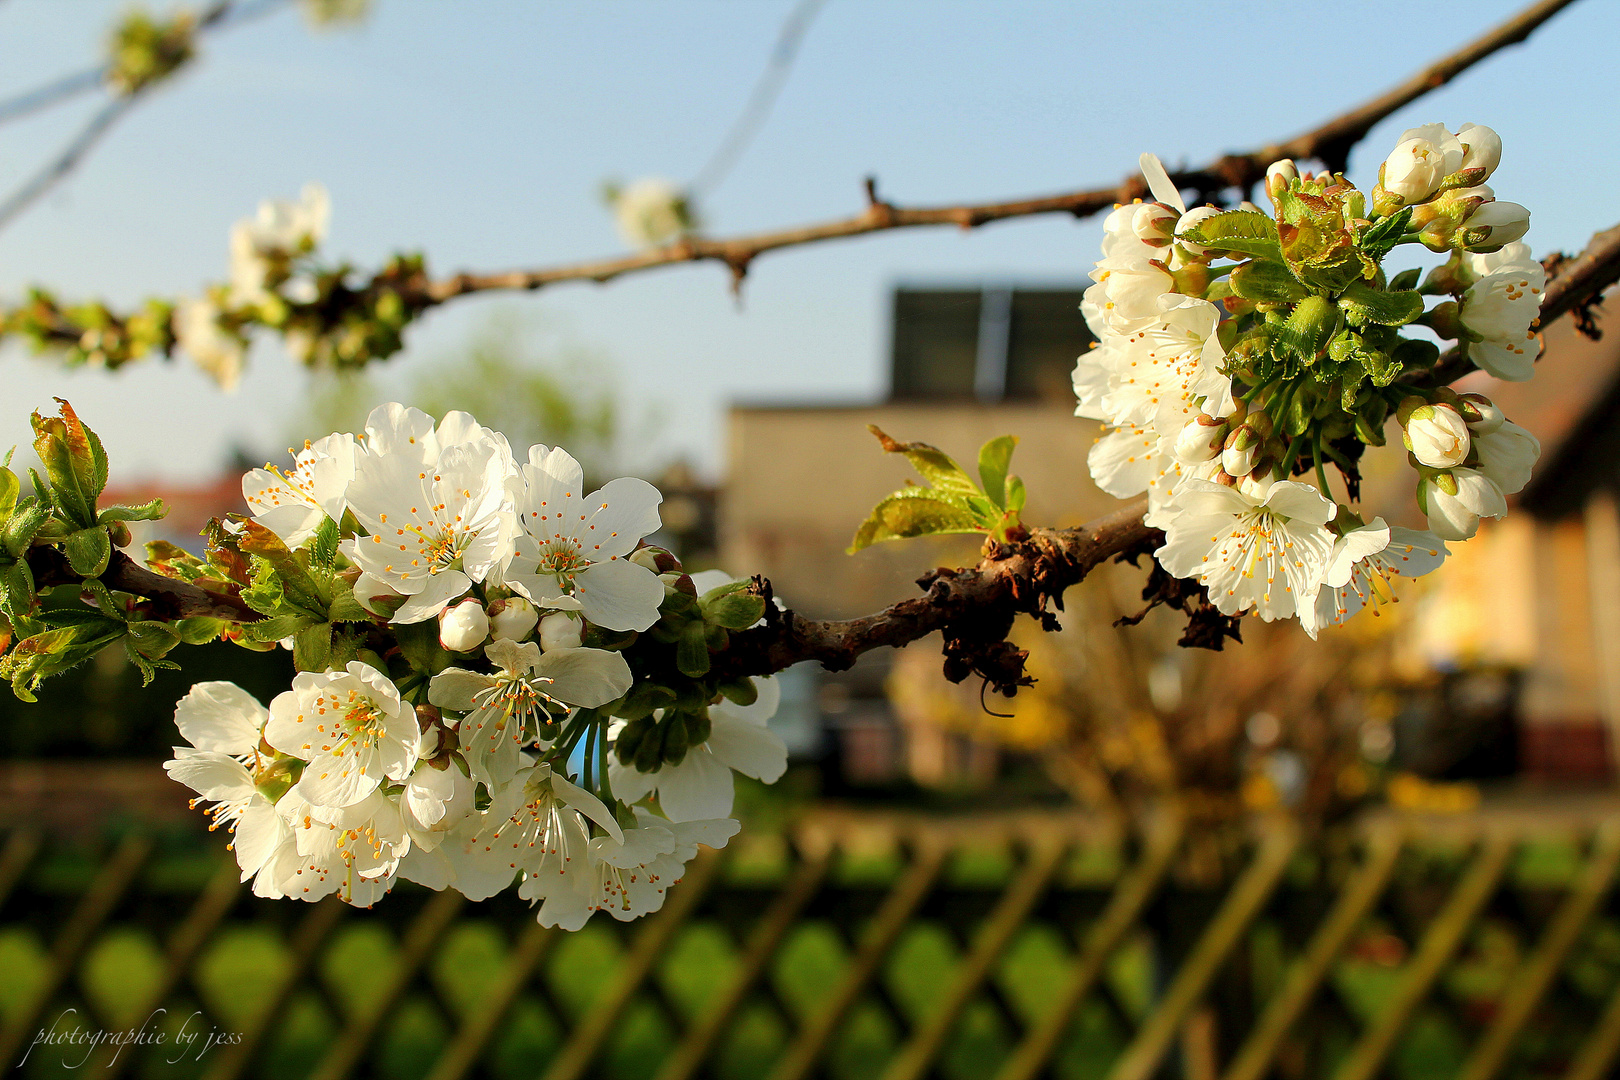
pixel 170 598
pixel 1330 143
pixel 975 607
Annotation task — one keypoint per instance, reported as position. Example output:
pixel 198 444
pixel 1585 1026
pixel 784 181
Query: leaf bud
pixel 512 619
pixel 1437 436
pixel 559 630
pixel 463 627
pixel 1480 413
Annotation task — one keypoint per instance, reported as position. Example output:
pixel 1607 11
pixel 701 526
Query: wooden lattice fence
pixel 862 947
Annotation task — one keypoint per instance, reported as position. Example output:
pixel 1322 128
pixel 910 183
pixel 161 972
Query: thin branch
pixel 168 597
pixel 58 168
pixel 1329 143
pixel 31 101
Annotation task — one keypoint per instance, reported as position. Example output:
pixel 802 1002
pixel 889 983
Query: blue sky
pixel 481 132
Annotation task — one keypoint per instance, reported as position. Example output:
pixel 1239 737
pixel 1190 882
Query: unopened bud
pixel 655 559
pixel 559 630
pixel 1480 413
pixel 1154 224
pixel 1257 484
pixel 1200 440
pixel 512 619
pixel 1239 460
pixel 1494 225
pixel 1279 175
pixel 464 627
pixel 1437 436
pixel 1413 171
pixel 1482 148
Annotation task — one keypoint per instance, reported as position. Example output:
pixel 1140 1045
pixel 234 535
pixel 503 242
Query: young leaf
pixel 931 463
pixel 151 511
pixel 88 551
pixel 1364 304
pixel 1246 232
pixel 1267 282
pixel 994 457
pixel 915 512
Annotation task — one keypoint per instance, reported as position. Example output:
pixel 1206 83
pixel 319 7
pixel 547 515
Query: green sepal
pixel 1246 232
pixel 732 606
pixel 995 457
pixel 1364 304
pixel 1267 282
pixel 677 737
pixel 1405 280
pixel 692 651
pixel 1015 494
pixel 1308 329
pixel 88 551
pixel 913 512
pixel 642 700
pixel 150 511
pixel 741 691
pixel 698 726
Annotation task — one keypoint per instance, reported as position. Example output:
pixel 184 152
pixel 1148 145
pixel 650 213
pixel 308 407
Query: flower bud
pixel 1480 413
pixel 1257 485
pixel 1191 219
pixel 1437 436
pixel 462 628
pixel 1202 439
pixel 559 630
pixel 1239 460
pixel 1455 501
pixel 1154 224
pixel 512 619
pixel 1413 171
pixel 1494 225
pixel 655 559
pixel 1279 175
pixel 1482 148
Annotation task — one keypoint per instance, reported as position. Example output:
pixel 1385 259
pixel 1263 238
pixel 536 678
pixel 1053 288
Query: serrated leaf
pixel 1247 232
pixel 274 629
pixel 10 488
pixel 21 528
pixel 174 562
pixel 931 463
pixel 312 648
pixel 88 551
pixel 200 630
pixel 150 511
pixel 58 649
pixel 914 512
pixel 323 545
pixel 74 460
pixel 1266 281
pixel 345 607
pixel 1386 233
pixel 994 458
pixel 419 644
pixel 1406 279
pixel 298 586
pixel 16 589
pixel 152 639
pixel 1364 304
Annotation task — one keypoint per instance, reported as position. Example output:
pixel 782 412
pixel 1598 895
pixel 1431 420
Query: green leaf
pixel 1246 232
pixel 200 630
pixel 88 551
pixel 152 639
pixel 16 589
pixel 1406 279
pixel 151 511
pixel 1364 304
pixel 419 644
pixel 22 526
pixel 692 651
pixel 312 647
pixel 915 512
pixel 931 463
pixel 345 606
pixel 66 645
pixel 323 545
pixel 298 586
pixel 10 487
pixel 1267 282
pixel 1385 233
pixel 275 628
pixel 75 462
pixel 994 458
pixel 1015 494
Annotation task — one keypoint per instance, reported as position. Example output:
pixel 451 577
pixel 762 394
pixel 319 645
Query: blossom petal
pixel 455 688
pixel 435 597
pixel 699 787
pixel 585 677
pixel 624 511
pixel 221 716
pixel 750 749
pixel 619 595
pixel 259 831
pixel 215 776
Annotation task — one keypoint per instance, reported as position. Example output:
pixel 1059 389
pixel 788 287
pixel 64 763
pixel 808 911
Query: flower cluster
pixel 1237 350
pixel 499 679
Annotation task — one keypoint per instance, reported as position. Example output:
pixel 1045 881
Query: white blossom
pixel 1507 454
pixel 1437 436
pixel 651 211
pixel 220 352
pixel 1359 569
pixel 1482 148
pixel 293 503
pixel 1497 223
pixel 1501 307
pixel 352 729
pixel 560 630
pixel 507 709
pixel 1454 515
pixel 464 626
pixel 514 619
pixel 572 548
pixel 1259 556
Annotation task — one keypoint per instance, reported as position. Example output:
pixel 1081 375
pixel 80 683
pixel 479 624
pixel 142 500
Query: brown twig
pixel 1330 143
pixel 168 598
